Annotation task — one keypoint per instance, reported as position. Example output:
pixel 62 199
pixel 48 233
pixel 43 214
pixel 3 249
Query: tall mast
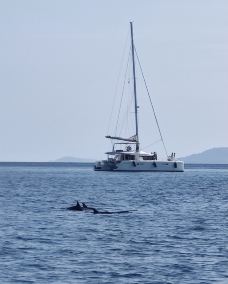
pixel 135 93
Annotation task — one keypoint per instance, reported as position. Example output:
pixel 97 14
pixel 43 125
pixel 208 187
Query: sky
pixel 60 62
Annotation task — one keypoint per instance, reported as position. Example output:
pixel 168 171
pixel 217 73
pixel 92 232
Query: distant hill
pixel 73 160
pixel 211 156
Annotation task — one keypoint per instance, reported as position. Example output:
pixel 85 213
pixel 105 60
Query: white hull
pixel 141 166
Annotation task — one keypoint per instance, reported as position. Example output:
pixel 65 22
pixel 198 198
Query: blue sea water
pixel 178 232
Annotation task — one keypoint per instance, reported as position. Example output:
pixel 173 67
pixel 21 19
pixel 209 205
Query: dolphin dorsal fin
pixel 84 205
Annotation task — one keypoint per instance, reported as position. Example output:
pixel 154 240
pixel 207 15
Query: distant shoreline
pixel 54 163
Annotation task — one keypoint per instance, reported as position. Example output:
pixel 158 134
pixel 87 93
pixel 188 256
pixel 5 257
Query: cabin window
pixel 129 157
pixel 148 158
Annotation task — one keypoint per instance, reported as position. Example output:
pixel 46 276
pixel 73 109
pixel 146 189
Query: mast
pixel 135 93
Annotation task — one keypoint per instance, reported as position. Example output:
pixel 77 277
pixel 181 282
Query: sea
pixel 176 232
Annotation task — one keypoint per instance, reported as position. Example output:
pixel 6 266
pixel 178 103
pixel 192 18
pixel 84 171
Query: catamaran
pixel 127 155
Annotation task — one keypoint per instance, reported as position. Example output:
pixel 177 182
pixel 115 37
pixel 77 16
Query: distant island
pixel 73 160
pixel 217 155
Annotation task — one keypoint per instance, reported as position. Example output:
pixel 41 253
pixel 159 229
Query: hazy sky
pixel 60 60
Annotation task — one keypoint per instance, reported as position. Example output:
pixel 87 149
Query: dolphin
pixel 86 208
pixel 76 207
pixel 84 205
pixel 95 211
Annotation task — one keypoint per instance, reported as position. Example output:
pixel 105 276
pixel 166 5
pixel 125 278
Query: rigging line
pixel 125 76
pixel 117 82
pixel 155 142
pixel 125 123
pixel 126 127
pixel 126 117
pixel 148 93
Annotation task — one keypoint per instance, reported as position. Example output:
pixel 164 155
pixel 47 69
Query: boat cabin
pixel 126 156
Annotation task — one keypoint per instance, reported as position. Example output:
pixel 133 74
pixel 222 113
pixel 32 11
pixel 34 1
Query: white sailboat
pixel 131 158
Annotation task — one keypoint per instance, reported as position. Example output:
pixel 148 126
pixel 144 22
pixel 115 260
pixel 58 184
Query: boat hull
pixel 141 166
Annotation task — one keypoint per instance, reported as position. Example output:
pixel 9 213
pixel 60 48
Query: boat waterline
pixel 144 166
